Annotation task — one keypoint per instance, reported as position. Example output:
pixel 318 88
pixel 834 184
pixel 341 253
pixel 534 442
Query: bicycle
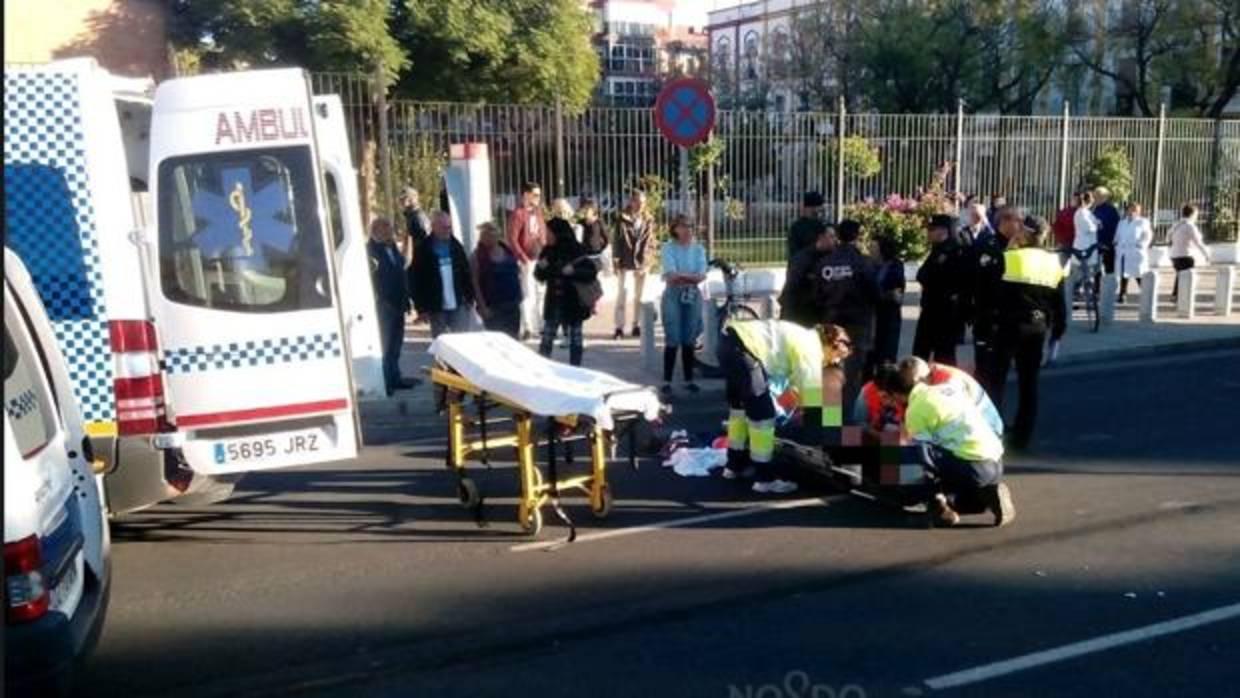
pixel 1090 264
pixel 734 305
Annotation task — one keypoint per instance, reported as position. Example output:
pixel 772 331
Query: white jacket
pixel 1185 235
pixel 1132 245
pixel 1086 229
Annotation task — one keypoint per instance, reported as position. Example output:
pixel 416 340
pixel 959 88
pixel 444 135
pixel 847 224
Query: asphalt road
pixel 368 579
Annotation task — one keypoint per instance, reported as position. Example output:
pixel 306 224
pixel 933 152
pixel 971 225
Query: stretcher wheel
pixel 467 492
pixel 533 522
pixel 605 509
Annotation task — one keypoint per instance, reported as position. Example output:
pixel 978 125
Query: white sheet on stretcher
pixel 501 365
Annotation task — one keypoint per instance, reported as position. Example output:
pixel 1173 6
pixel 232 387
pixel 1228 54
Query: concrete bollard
pixel 1106 299
pixel 1224 288
pixel 710 320
pixel 1149 297
pixel 1186 307
pixel 1069 284
pixel 649 318
pixel 768 310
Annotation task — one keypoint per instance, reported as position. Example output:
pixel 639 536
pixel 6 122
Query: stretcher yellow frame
pixel 535 492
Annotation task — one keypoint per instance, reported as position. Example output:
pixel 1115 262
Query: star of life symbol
pixel 244 216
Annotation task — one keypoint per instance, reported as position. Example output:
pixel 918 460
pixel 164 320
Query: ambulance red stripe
pixel 195 420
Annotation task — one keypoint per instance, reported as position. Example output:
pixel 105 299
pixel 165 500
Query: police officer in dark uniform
pixel 945 293
pixel 1030 304
pixel 805 230
pixel 987 260
pixel 797 301
pixel 846 290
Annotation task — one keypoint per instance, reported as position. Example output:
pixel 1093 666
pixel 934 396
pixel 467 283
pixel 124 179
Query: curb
pixel 420 403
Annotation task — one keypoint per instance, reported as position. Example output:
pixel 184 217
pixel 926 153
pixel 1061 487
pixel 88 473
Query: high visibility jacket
pixel 945 416
pixel 1031 292
pixel 786 350
pixel 942 374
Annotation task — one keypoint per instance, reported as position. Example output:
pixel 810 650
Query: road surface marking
pixel 676 523
pixel 1077 649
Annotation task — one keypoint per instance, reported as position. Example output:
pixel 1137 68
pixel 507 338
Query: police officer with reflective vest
pixel 987 261
pixel 1030 305
pixel 846 292
pixel 945 293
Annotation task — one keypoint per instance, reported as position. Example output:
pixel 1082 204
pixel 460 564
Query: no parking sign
pixel 685 111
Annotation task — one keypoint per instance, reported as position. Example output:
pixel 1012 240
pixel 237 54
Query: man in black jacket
pixel 387 276
pixel 417 225
pixel 797 301
pixel 443 287
pixel 846 288
pixel 806 229
pixel 1030 304
pixel 986 259
pixel 945 279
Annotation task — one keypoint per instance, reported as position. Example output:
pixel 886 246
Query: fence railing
pixel 747 198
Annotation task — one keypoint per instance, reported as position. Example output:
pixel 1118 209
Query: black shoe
pixel 618 334
pixel 637 332
pixel 407 383
pixel 666 390
pixel 693 388
pixel 999 502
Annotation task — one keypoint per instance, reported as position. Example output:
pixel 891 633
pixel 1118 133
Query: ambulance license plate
pixel 265 448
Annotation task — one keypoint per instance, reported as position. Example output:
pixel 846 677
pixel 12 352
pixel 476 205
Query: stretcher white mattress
pixel 501 365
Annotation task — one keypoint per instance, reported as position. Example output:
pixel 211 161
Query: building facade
pixel 127 37
pixel 643 43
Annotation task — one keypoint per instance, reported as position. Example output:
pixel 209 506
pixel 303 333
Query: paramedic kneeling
pixel 960 448
pixel 750 353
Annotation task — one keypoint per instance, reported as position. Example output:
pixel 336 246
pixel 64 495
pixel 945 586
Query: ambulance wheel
pixel 533 523
pixel 603 511
pixel 467 492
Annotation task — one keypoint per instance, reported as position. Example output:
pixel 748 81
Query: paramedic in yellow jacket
pixel 750 353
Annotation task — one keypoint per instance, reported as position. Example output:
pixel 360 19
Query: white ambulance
pixel 207 336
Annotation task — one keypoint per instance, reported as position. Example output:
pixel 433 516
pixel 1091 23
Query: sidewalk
pixel 1124 338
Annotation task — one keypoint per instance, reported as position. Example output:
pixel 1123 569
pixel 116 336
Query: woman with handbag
pixel 684 268
pixel 572 283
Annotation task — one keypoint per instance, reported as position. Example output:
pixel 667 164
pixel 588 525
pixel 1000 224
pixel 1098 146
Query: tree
pixel 335 36
pixel 521 51
pixel 1205 73
pixel 1021 45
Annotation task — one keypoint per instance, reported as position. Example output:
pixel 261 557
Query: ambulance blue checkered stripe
pixel 50 223
pixel 257 353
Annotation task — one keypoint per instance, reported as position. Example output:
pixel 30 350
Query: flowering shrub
pixel 904 218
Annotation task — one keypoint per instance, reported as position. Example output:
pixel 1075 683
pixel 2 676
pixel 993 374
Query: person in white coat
pixel 1185 235
pixel 1132 247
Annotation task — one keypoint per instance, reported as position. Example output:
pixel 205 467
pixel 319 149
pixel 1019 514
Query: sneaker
pixel 637 332
pixel 942 513
pixel 618 334
pixel 730 474
pixel 666 390
pixel 1000 503
pixel 775 487
pixel 693 388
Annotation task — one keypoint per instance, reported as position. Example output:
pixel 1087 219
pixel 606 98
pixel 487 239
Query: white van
pixel 56 556
pixel 79 168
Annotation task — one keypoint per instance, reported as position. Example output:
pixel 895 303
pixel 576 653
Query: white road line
pixel 1077 649
pixel 676 523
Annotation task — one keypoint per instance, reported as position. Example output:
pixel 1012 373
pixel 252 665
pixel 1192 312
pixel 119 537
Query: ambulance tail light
pixel 139 387
pixel 24 587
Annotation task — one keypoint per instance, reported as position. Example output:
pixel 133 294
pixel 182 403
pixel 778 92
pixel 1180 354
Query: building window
pixel 751 55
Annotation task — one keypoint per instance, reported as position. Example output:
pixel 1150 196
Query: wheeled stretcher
pixel 573 404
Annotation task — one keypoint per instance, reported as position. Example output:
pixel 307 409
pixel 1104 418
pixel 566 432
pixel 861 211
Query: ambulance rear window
pixel 240 231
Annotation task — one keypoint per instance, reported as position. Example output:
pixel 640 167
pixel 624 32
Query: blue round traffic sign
pixel 685 111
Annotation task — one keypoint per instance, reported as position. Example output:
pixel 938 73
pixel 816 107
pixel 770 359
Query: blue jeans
pixel 451 321
pixel 963 479
pixel 576 342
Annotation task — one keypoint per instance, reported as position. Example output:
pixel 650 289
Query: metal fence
pixel 746 199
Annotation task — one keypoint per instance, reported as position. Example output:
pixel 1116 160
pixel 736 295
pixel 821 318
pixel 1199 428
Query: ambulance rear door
pixel 243 296
pixel 344 210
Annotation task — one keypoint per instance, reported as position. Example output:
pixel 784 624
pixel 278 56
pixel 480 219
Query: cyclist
pixel 751 353
pixel 846 291
pixel 1030 304
pixel 1084 238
